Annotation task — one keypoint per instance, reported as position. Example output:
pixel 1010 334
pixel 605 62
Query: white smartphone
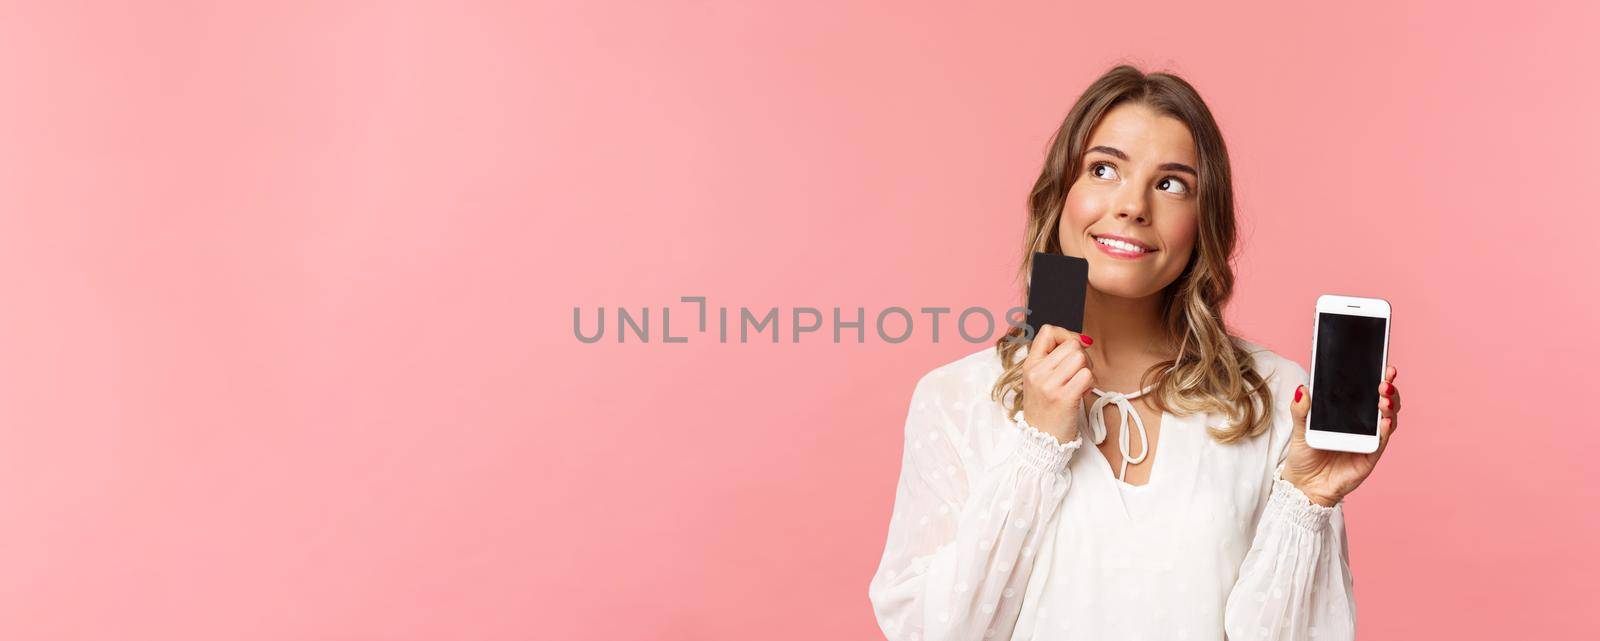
pixel 1350 350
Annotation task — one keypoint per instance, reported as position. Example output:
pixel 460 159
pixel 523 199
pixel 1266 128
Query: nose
pixel 1133 207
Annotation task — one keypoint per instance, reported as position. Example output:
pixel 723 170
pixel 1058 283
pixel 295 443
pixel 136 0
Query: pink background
pixel 287 347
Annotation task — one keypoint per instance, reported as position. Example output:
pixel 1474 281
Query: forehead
pixel 1146 135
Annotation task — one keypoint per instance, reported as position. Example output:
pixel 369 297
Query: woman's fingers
pixel 1048 340
pixel 1080 383
pixel 1390 416
pixel 1071 362
pixel 1388 412
pixel 1053 360
pixel 1056 363
pixel 1044 342
pixel 1299 406
pixel 1386 427
pixel 1039 370
pixel 1043 372
pixel 1394 407
pixel 1388 399
pixel 1051 347
pixel 1388 419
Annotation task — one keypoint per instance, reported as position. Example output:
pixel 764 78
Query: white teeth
pixel 1120 245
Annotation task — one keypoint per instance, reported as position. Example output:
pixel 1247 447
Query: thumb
pixel 1299 406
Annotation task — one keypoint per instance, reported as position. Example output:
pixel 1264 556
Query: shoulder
pixel 958 384
pixel 1281 375
pixel 1276 369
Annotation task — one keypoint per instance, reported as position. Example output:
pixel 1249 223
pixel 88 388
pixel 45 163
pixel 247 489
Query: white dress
pixel 1000 531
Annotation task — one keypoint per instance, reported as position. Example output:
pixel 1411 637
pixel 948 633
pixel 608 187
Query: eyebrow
pixel 1119 155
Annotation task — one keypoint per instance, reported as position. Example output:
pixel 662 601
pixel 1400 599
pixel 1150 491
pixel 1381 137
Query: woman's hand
pixel 1327 477
pixel 1055 376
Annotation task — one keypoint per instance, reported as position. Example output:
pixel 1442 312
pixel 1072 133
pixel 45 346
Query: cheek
pixel 1181 235
pixel 1082 208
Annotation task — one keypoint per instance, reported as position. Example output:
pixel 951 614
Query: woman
pixel 1199 511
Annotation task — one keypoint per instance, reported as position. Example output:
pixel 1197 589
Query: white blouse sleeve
pixel 1295 582
pixel 961 548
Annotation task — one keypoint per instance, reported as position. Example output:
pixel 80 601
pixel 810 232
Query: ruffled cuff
pixel 1292 505
pixel 1040 450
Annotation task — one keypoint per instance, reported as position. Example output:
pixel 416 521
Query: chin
pixel 1124 287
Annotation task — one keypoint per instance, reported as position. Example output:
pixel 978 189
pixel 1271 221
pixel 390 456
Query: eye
pixel 1102 170
pixel 1173 186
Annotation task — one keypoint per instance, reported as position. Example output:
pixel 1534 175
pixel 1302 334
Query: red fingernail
pixel 1297 391
pixel 1085 338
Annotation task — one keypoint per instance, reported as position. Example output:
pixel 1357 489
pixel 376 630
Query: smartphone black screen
pixel 1349 366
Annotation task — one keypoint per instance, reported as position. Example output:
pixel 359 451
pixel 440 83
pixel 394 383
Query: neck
pixel 1128 336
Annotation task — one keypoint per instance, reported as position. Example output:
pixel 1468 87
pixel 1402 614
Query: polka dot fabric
pixel 1000 531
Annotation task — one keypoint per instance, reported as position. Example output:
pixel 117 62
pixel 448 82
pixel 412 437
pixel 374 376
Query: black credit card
pixel 1055 295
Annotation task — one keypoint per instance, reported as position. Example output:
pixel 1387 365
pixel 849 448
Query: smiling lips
pixel 1122 247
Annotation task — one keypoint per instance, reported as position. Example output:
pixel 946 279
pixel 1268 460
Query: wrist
pixel 1289 504
pixel 1316 498
pixel 1065 432
pixel 1316 495
pixel 1042 450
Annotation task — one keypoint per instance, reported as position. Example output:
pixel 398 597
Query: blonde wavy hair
pixel 1210 372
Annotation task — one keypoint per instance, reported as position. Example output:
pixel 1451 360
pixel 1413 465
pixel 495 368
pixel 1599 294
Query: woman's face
pixel 1136 190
